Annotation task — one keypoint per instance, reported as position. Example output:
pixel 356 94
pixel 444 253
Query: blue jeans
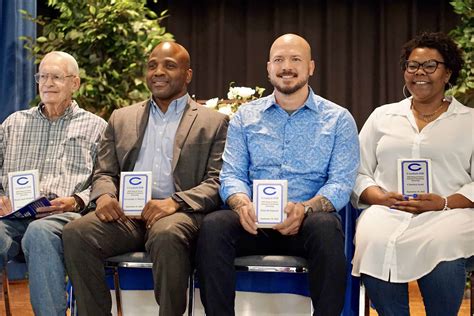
pixel 42 244
pixel 442 290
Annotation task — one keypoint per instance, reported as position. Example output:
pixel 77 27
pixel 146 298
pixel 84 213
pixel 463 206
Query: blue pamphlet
pixel 29 210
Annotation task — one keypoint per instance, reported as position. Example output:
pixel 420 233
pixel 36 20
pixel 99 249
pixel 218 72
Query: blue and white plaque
pixel 269 199
pixel 23 187
pixel 135 191
pixel 414 176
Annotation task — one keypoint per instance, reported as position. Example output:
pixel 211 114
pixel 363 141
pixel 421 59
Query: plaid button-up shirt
pixel 63 151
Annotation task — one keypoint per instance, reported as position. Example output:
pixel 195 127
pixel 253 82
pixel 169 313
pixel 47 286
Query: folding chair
pixel 263 263
pixel 293 264
pixel 139 260
pixel 19 264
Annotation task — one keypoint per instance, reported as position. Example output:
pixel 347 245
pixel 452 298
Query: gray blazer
pixel 197 153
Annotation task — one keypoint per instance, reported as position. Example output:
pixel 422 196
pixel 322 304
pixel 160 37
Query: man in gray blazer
pixel 181 143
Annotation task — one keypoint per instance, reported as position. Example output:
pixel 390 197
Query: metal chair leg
pixel 6 291
pixel 364 303
pixel 191 295
pixel 117 292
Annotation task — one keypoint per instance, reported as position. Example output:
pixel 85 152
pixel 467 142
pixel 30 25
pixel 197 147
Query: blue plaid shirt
pixel 316 149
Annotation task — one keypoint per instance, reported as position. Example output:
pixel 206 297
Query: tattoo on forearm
pixel 322 204
pixel 236 201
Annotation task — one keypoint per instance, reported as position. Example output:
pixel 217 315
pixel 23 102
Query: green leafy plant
pixel 110 40
pixel 463 34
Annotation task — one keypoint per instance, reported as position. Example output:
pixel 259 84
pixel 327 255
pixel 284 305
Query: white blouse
pixel 399 245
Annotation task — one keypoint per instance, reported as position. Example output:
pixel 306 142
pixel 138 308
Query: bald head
pixel 63 58
pixel 290 66
pixel 291 41
pixel 168 73
pixel 173 49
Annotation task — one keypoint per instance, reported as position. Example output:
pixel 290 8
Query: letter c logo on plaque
pixel 414 166
pixel 135 181
pixel 269 190
pixel 22 181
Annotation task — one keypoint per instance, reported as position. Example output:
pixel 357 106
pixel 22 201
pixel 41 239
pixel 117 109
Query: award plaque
pixel 414 176
pixel 269 199
pixel 135 191
pixel 23 187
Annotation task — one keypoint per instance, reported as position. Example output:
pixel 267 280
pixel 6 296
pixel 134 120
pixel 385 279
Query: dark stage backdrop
pixel 356 44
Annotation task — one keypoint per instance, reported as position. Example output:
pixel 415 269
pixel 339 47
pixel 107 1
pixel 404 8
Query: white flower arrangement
pixel 236 97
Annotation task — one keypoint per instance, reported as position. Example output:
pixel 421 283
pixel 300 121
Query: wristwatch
pixel 77 204
pixel 307 209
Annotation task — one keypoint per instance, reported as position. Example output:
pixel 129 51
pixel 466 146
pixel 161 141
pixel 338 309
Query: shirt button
pixel 155 183
pixel 51 142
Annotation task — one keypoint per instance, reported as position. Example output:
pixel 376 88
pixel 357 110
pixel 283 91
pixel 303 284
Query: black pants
pixel 320 240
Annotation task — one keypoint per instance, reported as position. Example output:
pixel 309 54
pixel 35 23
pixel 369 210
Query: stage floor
pixel 21 304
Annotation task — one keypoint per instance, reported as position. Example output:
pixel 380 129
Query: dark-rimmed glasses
pixel 428 66
pixel 42 78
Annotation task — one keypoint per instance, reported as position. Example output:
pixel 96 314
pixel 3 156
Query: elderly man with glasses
pixel 60 140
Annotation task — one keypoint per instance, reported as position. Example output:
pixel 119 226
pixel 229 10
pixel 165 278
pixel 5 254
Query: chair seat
pixel 264 263
pixel 130 260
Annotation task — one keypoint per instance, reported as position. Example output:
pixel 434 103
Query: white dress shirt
pixel 400 246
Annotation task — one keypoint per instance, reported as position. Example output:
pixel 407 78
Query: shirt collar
pixel 70 110
pixel 310 102
pixel 177 105
pixel 404 108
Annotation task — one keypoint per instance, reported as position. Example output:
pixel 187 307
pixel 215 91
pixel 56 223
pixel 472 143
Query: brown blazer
pixel 197 153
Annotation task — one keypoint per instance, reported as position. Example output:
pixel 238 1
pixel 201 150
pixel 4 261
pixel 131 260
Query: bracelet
pixel 445 208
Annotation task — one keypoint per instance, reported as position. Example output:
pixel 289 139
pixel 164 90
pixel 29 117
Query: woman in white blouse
pixel 426 236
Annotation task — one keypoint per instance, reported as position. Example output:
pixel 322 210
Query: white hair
pixel 72 66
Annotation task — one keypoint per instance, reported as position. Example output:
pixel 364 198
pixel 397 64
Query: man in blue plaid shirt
pixel 60 140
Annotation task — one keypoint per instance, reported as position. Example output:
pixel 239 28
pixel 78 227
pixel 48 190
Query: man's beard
pixel 289 89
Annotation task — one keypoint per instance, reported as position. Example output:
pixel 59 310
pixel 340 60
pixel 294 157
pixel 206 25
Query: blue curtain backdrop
pixel 17 85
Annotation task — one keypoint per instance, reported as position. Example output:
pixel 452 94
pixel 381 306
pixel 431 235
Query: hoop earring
pixel 448 86
pixel 405 93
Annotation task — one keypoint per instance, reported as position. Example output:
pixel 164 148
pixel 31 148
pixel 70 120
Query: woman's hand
pixel 420 203
pixel 390 198
pixel 374 195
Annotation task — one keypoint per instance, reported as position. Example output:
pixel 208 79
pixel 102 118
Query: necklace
pixel 427 117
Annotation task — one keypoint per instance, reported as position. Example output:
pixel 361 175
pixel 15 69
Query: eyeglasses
pixel 428 66
pixel 42 78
